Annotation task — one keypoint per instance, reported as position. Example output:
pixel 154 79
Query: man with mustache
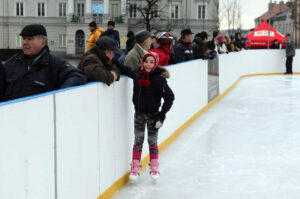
pixel 35 70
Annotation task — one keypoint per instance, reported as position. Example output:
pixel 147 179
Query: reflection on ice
pixel 245 147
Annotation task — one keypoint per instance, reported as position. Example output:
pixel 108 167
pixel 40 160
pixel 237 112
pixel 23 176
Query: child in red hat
pixel 150 85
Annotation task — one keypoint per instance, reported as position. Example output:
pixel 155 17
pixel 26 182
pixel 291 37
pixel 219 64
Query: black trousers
pixel 289 65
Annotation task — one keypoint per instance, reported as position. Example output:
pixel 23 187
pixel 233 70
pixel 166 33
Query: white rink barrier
pixel 75 143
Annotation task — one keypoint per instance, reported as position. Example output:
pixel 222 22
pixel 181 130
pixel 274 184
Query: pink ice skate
pixel 154 169
pixel 135 170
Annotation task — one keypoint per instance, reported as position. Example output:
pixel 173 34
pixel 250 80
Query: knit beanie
pixel 93 24
pixel 141 36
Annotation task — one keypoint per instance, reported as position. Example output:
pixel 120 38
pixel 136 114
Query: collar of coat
pixel 101 55
pixel 158 71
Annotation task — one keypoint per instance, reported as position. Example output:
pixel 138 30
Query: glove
pixel 159 120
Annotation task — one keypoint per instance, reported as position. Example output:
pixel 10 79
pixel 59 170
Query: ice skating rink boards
pixel 76 143
pixel 246 146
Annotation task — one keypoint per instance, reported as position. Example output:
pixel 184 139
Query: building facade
pixel 67 21
pixel 295 5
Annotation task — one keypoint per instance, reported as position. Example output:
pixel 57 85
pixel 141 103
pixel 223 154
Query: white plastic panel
pixel 27 149
pixel 78 143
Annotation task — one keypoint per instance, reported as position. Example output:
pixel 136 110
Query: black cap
pixel 107 43
pixel 111 23
pixel 288 35
pixel 33 29
pixel 186 32
pixel 93 24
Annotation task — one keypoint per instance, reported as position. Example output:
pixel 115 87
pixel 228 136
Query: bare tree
pixel 228 5
pixel 151 10
pixel 218 13
pixel 239 16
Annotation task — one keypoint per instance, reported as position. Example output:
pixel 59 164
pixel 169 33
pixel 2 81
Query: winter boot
pixel 135 170
pixel 154 169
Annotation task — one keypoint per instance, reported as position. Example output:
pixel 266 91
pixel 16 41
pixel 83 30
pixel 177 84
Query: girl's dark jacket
pixel 2 82
pixel 148 99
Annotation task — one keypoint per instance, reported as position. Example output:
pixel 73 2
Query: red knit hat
pixel 156 58
pixel 144 81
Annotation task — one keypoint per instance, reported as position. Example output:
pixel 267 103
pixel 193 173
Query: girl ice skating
pixel 150 85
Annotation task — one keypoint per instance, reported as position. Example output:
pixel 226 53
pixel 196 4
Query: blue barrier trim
pixel 44 94
pixel 64 89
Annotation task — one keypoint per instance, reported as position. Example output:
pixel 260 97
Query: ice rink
pixel 247 146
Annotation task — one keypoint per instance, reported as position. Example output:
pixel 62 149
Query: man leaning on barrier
pixel 35 70
pixel 96 63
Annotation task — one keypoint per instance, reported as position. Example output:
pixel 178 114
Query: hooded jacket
pixel 163 54
pixel 94 36
pixel 149 88
pixel 45 73
pixel 97 66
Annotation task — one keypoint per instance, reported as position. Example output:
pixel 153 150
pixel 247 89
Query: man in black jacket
pixel 182 50
pixel 35 70
pixel 2 81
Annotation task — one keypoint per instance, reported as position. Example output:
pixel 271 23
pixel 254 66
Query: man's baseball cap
pixel 186 32
pixel 107 43
pixel 33 29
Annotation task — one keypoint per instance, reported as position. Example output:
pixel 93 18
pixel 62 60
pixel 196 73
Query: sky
pixel 251 9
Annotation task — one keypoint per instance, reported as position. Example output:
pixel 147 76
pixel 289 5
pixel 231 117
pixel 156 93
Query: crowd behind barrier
pixel 75 143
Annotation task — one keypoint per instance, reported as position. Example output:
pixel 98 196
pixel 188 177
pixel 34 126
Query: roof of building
pixel 275 9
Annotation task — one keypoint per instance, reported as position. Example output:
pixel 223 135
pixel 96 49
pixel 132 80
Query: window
pixel 174 11
pixel 62 9
pixel 41 9
pixel 18 41
pixel 115 10
pixel 80 9
pixel 19 9
pixel 62 40
pixel 201 11
pixel 132 10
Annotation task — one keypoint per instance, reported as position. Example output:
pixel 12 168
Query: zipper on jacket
pixel 139 99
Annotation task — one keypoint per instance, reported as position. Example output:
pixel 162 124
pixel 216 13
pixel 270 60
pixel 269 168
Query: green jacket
pixel 97 66
pixel 134 57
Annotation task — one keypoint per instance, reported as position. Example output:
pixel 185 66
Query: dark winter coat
pixel 97 66
pixel 290 48
pixel 182 52
pixel 198 48
pixel 148 99
pixel 2 82
pixel 114 34
pixel 46 73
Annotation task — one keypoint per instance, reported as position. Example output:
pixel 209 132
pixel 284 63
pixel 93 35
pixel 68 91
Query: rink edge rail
pixel 122 181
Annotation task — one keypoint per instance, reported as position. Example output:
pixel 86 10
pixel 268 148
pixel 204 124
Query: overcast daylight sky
pixel 251 9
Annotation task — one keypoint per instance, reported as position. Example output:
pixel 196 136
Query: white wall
pixel 77 142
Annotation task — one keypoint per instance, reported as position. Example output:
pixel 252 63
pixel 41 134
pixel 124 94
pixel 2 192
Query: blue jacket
pixel 148 99
pixel 46 73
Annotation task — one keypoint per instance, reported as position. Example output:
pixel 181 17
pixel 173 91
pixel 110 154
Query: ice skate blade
pixel 133 178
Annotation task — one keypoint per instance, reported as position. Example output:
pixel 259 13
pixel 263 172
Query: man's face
pixel 189 38
pixel 110 54
pixel 111 27
pixel 92 28
pixel 147 43
pixel 287 37
pixel 32 45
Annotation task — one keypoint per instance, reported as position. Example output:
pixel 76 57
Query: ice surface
pixel 245 147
